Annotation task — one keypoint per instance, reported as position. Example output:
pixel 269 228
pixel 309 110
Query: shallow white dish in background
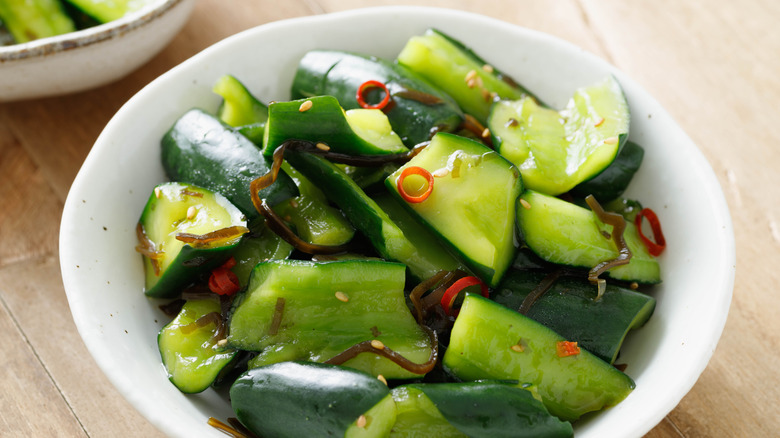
pixel 91 57
pixel 103 274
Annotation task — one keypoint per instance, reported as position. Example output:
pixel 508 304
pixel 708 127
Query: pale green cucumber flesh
pixel 557 150
pixel 193 360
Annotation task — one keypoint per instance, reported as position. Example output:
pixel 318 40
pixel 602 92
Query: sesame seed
pixel 634 285
pixel 479 82
pixel 487 95
pixel 599 122
pixel 361 421
pixel 486 133
pixel 511 123
pixel 191 212
pixel 305 106
pixel 488 68
pixel 441 173
pixel 526 205
pixel 157 192
pixel 470 76
pixel 293 203
pixel 611 140
pixel 376 343
pixel 323 147
pixel 471 83
pixel 222 342
pixel 517 348
pixel 382 379
pixel 341 296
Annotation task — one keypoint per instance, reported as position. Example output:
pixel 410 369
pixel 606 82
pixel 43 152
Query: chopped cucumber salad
pixel 404 248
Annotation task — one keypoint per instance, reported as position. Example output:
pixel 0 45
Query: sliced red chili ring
pixel 657 247
pixel 414 170
pixel 224 282
pixel 452 292
pixel 367 85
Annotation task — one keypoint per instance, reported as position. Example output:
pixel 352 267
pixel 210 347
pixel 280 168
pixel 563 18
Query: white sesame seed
pixel 191 212
pixel 471 83
pixel 323 147
pixel 526 205
pixel 222 342
pixel 441 173
pixel 488 68
pixel 376 343
pixel 470 75
pixel 361 421
pixel 611 140
pixel 382 379
pixel 305 106
pixel 517 348
pixel 157 192
pixel 341 296
pixel 486 133
pixel 293 203
pixel 599 122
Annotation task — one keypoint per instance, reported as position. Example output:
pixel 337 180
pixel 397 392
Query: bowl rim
pixel 85 37
pixel 725 270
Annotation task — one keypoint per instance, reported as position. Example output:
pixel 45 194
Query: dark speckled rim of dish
pixel 85 37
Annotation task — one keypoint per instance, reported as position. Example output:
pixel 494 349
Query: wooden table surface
pixel 713 65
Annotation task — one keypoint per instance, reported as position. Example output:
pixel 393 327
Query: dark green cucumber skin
pixel 299 399
pixel 188 265
pixel 201 150
pixel 494 410
pixel 613 181
pixel 340 74
pixel 570 309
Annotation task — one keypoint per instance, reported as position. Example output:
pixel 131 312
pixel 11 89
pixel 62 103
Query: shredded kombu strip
pixel 203 321
pixel 546 284
pixel 473 125
pixel 277 318
pixel 618 223
pixel 146 247
pixel 235 429
pixel 398 359
pixel 223 234
pixel 418 291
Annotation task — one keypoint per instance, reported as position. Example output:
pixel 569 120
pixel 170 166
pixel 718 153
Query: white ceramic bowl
pixel 103 274
pixel 90 57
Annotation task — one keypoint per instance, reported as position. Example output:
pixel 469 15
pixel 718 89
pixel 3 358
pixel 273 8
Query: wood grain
pixel 712 64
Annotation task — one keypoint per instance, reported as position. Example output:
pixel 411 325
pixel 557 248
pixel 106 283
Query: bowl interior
pixel 103 274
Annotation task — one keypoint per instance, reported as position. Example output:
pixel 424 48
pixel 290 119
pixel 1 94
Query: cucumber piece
pixel 313 218
pixel 367 217
pixel 28 21
pixel 570 309
pixel 316 222
pixel 418 417
pixel 316 325
pixel 563 233
pixel 417 110
pixel 297 399
pixel 200 150
pixel 240 109
pixel 472 206
pixel 479 410
pixel 515 347
pixel 554 150
pixel 613 181
pixel 175 208
pixel 354 132
pixel 105 11
pixel 459 72
pixel 190 353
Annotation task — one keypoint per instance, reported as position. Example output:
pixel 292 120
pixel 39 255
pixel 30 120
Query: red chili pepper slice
pixel 657 247
pixel 367 85
pixel 567 348
pixel 414 170
pixel 452 292
pixel 223 281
